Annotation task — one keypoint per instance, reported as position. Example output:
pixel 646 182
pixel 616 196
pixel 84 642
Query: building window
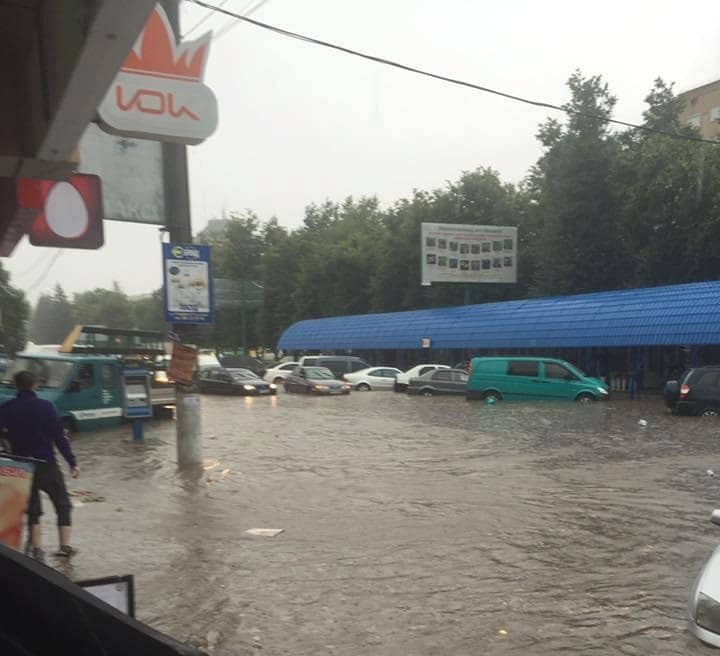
pixel 695 121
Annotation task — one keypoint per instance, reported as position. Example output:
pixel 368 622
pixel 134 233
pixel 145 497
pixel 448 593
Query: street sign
pixel 188 283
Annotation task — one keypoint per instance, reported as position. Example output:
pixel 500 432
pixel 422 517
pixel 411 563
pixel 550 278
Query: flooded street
pixel 412 526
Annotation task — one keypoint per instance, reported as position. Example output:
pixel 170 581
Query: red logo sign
pixel 158 93
pixel 70 213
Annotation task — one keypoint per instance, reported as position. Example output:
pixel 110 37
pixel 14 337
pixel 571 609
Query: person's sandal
pixel 37 554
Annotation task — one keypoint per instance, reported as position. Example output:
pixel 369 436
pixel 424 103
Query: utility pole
pixel 177 212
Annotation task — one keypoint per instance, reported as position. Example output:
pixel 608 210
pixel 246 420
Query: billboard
pixel 468 253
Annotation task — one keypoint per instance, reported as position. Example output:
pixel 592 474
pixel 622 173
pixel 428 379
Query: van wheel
pixel 492 394
pixel 709 412
pixel 427 392
pixel 363 387
pixel 585 397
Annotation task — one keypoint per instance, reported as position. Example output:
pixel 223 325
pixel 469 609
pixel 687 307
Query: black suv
pixel 697 392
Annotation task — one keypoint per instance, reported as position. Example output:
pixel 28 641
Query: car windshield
pixel 319 373
pixel 576 370
pixel 242 374
pixel 49 373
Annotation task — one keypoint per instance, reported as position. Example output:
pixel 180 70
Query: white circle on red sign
pixel 65 211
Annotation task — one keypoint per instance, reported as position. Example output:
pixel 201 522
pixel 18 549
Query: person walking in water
pixel 33 430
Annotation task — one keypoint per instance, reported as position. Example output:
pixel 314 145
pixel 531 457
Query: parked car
pixel 532 378
pixel 277 373
pixel 243 362
pixel 697 392
pixel 338 364
pixel 234 381
pixel 373 378
pixel 315 380
pixel 401 382
pixel 439 381
pixel 704 601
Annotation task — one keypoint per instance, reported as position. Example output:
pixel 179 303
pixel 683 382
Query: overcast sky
pixel 300 124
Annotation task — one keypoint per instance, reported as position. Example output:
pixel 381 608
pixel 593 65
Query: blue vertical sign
pixel 188 283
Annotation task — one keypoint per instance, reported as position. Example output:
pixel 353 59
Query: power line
pixel 44 274
pixel 248 11
pixel 445 78
pixel 204 19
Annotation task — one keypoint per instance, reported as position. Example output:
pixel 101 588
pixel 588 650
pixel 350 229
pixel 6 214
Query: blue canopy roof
pixel 672 315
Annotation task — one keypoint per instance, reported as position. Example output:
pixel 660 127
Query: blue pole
pixel 138 432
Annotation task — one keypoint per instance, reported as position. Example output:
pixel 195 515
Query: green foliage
pixel 52 319
pixel 15 312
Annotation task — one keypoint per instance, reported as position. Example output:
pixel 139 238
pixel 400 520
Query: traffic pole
pixel 177 212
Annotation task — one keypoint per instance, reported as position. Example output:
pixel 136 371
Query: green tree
pixel 104 307
pixel 53 318
pixel 147 311
pixel 579 247
pixel 15 312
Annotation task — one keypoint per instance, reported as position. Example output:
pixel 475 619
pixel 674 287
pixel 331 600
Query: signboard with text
pixel 468 253
pixel 15 484
pixel 159 92
pixel 188 283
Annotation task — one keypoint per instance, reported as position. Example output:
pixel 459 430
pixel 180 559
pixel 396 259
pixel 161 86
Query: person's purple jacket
pixel 33 427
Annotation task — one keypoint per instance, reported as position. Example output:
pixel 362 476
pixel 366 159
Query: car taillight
pixel 684 391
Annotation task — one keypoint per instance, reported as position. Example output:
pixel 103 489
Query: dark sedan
pixel 315 380
pixel 440 381
pixel 234 381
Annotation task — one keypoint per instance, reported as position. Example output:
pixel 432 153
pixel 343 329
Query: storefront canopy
pixel 658 316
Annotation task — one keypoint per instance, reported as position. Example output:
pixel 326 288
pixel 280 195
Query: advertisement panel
pixel 132 175
pixel 15 484
pixel 159 91
pixel 468 253
pixel 182 364
pixel 188 283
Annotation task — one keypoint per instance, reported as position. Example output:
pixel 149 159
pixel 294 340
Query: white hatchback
pixel 373 378
pixel 277 374
pixel 401 382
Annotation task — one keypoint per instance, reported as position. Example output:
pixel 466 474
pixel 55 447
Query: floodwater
pixel 412 526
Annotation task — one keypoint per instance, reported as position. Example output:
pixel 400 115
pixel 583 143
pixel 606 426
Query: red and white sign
pixel 69 213
pixel 158 93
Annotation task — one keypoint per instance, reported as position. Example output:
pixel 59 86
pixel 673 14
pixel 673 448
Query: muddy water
pixel 412 526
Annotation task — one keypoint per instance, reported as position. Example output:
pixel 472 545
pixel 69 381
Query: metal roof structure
pixel 658 316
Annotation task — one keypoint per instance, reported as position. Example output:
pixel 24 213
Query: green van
pixel 525 378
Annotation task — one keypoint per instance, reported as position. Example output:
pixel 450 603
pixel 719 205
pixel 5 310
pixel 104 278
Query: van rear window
pixel 523 368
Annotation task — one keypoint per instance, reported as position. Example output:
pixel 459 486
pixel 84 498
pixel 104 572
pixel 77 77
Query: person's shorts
pixel 49 479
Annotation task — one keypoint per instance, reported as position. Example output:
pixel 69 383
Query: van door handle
pixel 544 382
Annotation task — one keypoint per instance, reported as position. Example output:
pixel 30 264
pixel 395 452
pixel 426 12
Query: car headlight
pixel 320 387
pixel 272 386
pixel 602 390
pixel 707 613
pixel 249 388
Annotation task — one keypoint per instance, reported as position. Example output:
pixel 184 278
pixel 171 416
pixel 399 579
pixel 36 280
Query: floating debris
pixel 265 532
